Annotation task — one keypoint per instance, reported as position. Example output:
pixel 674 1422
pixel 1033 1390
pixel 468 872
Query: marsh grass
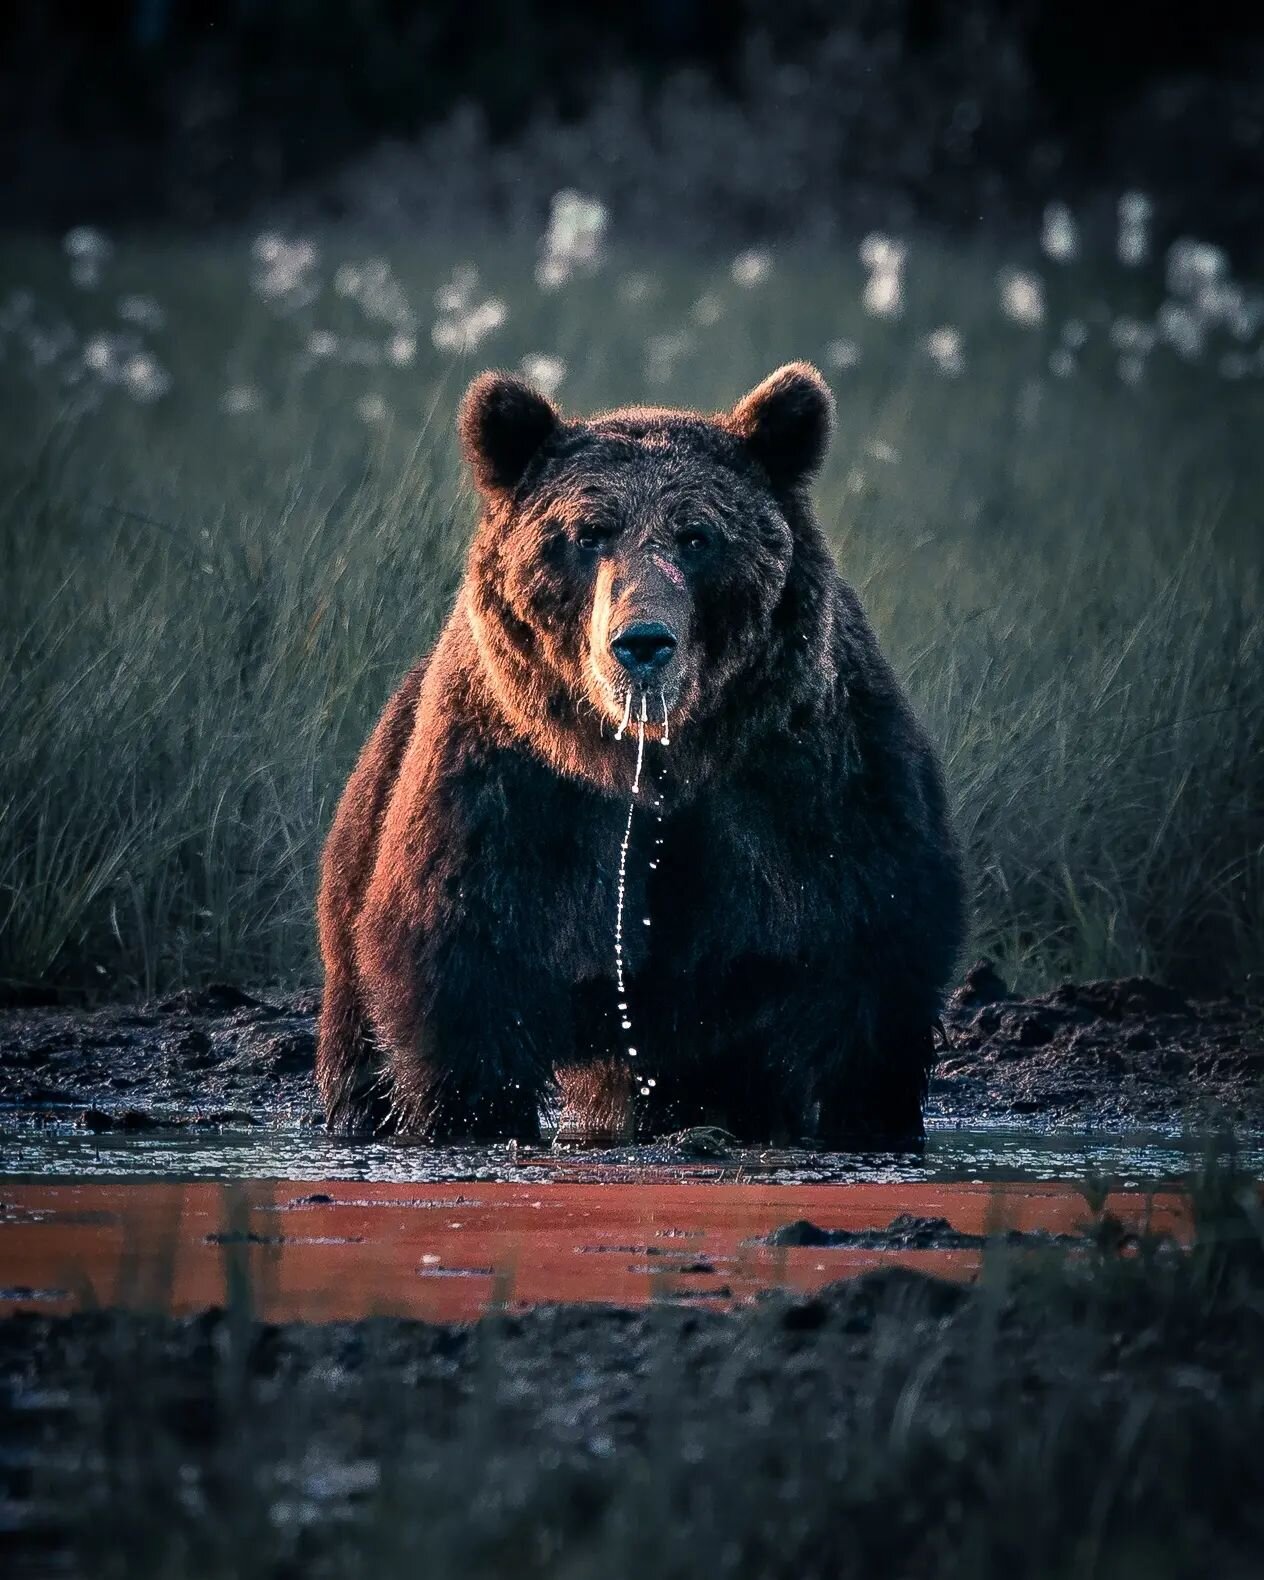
pixel 204 610
pixel 1092 1412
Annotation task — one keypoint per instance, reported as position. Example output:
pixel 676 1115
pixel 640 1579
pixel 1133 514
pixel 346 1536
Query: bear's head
pixel 645 568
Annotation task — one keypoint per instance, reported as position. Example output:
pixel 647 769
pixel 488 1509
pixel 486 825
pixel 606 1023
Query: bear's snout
pixel 644 647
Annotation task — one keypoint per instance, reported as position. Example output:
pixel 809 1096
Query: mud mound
pixel 1114 1053
pixel 906 1232
pixel 1130 1051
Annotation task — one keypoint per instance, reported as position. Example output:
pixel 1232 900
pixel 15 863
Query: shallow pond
pixel 319 1228
pixel 292 1152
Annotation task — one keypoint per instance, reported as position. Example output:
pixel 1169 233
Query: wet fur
pixel 807 907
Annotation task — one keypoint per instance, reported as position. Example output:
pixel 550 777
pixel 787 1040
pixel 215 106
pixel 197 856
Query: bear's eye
pixel 591 538
pixel 693 540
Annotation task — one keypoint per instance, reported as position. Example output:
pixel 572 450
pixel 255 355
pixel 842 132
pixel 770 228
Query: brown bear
pixel 653 831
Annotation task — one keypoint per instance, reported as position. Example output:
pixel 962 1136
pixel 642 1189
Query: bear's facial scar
pixel 673 573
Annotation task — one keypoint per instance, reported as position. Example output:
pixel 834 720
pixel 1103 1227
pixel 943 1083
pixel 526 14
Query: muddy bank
pixel 1063 1415
pixel 1118 1054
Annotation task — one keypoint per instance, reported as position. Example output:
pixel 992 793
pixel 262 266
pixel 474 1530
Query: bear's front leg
pixel 464 1033
pixel 872 1099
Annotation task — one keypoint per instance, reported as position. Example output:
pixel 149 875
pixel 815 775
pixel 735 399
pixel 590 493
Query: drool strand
pixel 640 745
pixel 627 714
pixel 625 1020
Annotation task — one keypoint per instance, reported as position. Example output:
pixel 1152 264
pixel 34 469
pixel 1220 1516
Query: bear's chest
pixel 567 877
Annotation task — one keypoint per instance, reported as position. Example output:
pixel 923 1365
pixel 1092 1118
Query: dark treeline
pixel 191 109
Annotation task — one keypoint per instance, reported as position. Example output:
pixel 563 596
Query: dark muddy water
pixel 329 1230
pixel 355 1249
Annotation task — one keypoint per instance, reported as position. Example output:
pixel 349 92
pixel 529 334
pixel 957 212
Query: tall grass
pixel 204 611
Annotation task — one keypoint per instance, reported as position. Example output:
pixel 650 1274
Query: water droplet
pixel 645 921
pixel 626 1024
pixel 631 1053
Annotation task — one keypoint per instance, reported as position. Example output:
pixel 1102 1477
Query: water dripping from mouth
pixel 622 1003
pixel 627 714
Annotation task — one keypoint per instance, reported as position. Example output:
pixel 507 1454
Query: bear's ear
pixel 503 423
pixel 786 422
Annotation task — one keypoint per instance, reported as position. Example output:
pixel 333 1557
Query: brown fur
pixel 806 896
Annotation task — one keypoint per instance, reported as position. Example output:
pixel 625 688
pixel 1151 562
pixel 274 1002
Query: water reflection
pixel 295 1153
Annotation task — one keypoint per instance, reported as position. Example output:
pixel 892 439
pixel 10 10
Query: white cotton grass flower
pixel 1193 266
pixel 482 321
pixel 239 400
pixel 880 450
pixel 842 355
pixel 376 291
pixel 1182 329
pixel 144 379
pixel 103 354
pixel 1131 369
pixel 946 349
pixel 372 409
pixel 1022 297
pixel 84 241
pixel 884 257
pixel 401 350
pixel 1074 333
pixel 1133 243
pixel 884 294
pixel 1059 235
pixel 574 239
pixel 457 292
pixel 552 273
pixel 322 343
pixel 89 251
pixel 1224 302
pixel 464 321
pixel 878 251
pixel 751 268
pixel 1061 363
pixel 284 272
pixel 544 371
pixel 707 310
pixel 119 358
pixel 142 311
pixel 1132 337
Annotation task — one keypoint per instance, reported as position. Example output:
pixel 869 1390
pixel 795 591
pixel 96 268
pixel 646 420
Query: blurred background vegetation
pixel 254 253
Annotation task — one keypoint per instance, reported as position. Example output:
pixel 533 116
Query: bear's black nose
pixel 644 646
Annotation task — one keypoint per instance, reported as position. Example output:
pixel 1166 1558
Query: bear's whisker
pixel 627 714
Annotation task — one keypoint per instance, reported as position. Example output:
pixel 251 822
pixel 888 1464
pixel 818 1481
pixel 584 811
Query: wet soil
pixel 1115 1054
pixel 892 1424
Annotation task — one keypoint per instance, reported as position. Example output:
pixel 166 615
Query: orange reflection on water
pixel 444 1252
